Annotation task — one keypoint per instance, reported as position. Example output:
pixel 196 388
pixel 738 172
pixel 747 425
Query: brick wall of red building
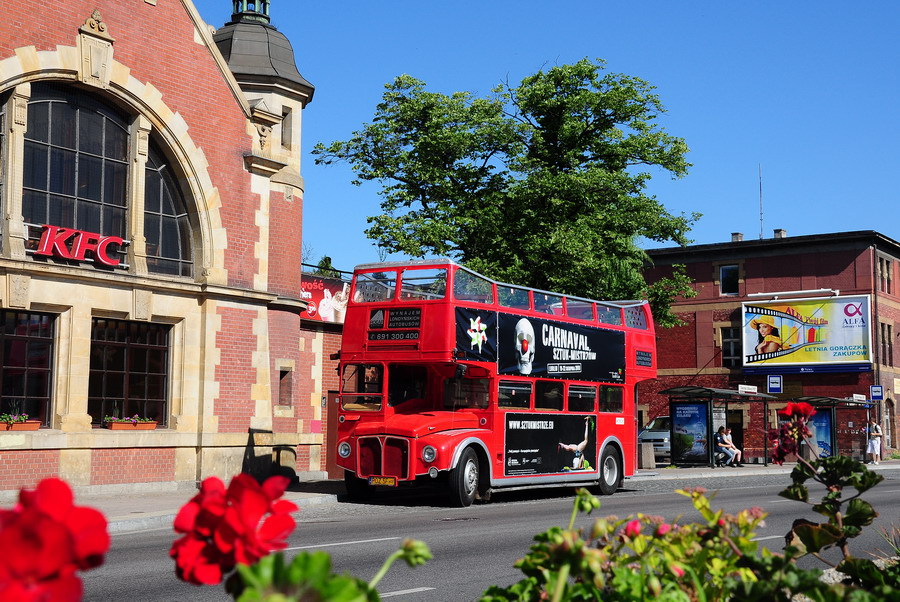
pixel 132 465
pixel 285 244
pixel 27 467
pixel 235 372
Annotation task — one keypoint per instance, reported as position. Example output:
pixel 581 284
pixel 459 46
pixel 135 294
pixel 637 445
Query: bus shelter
pixel 838 426
pixel 692 426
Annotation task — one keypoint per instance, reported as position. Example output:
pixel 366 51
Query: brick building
pixel 721 346
pixel 151 186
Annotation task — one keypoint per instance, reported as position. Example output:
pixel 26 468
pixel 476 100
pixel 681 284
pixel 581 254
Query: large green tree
pixel 541 184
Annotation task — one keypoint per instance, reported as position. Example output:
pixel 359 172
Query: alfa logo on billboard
pixel 833 330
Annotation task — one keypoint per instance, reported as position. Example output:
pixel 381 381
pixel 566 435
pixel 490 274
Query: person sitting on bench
pixel 729 444
pixel 720 447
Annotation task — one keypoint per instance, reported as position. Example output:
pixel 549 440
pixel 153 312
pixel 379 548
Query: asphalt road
pixel 473 547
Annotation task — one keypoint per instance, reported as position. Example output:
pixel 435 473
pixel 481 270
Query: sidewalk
pixel 157 510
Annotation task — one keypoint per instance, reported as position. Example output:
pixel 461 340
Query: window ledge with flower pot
pixel 135 423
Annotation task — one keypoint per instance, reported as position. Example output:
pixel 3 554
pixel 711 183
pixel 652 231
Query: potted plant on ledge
pixel 18 422
pixel 134 423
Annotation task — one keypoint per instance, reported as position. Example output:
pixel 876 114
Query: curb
pixel 164 520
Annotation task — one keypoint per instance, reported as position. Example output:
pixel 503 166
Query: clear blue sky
pixel 808 90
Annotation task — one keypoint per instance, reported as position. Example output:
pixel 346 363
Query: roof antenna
pixel 760 203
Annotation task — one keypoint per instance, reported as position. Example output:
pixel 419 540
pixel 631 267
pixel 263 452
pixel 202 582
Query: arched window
pixel 75 163
pixel 166 225
pixel 78 172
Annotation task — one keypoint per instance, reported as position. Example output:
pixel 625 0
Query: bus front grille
pixel 383 456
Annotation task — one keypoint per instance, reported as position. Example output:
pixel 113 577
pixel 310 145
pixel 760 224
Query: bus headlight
pixel 428 454
pixel 344 450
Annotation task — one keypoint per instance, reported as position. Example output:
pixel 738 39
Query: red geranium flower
pixel 798 409
pixel 51 538
pixel 224 528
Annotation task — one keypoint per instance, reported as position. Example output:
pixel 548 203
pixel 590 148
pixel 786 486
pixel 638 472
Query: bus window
pixel 516 298
pixel 548 395
pixel 611 399
pixel 466 393
pixel 580 310
pixel 514 394
pixel 375 287
pixel 548 304
pixel 582 398
pixel 423 285
pixel 609 315
pixel 405 383
pixel 635 317
pixel 468 286
pixel 359 380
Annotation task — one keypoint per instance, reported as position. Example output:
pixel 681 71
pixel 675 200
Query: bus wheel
pixel 357 489
pixel 610 471
pixel 464 479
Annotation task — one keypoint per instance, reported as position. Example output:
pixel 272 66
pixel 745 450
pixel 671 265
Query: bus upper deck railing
pixel 427 280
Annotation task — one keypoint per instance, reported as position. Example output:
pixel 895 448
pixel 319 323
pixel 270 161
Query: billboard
pixel 821 332
pixel 326 298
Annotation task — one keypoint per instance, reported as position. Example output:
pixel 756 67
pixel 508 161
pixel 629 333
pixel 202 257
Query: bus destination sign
pixel 394 335
pixel 404 318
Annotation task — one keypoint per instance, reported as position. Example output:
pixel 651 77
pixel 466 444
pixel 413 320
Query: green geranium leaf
pixel 859 513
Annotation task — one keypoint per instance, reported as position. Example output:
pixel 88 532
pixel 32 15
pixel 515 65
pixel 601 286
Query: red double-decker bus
pixel 449 377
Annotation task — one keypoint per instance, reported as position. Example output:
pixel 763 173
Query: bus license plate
pixel 389 481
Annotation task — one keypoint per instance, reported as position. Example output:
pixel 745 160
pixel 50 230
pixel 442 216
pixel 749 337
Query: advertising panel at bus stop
pixel 821 432
pixel 690 433
pixel 822 334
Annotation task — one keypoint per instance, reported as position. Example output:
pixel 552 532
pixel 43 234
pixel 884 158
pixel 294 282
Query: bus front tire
pixel 464 479
pixel 357 489
pixel 610 471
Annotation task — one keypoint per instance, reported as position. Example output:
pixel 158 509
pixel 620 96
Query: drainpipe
pixel 876 332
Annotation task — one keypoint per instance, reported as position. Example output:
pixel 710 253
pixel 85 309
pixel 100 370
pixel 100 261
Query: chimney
pixel 737 236
pixel 780 233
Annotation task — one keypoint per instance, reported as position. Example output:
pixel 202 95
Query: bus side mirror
pixel 461 370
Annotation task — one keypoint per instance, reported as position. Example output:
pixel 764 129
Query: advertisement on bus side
pixel 550 444
pixel 541 348
pixel 550 349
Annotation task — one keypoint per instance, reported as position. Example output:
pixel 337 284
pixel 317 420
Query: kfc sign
pixel 67 243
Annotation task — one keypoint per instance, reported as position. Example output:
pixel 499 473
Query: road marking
pixel 407 591
pixel 769 537
pixel 343 543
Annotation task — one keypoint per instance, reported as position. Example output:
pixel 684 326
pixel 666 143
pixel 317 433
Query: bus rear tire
pixel 610 471
pixel 464 479
pixel 357 489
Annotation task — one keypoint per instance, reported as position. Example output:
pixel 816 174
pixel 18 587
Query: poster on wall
pixel 690 433
pixel 539 444
pixel 326 298
pixel 819 333
pixel 820 432
pixel 546 348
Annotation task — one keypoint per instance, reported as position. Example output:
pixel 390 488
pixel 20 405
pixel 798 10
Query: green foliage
pixel 845 517
pixel 638 558
pixel 308 578
pixel 540 184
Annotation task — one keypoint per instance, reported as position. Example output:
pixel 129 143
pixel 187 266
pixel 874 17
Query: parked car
pixel 658 433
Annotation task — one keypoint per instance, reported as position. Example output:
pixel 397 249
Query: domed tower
pixel 262 61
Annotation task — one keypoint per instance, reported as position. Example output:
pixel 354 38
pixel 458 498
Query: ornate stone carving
pixel 95 46
pixel 264 131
